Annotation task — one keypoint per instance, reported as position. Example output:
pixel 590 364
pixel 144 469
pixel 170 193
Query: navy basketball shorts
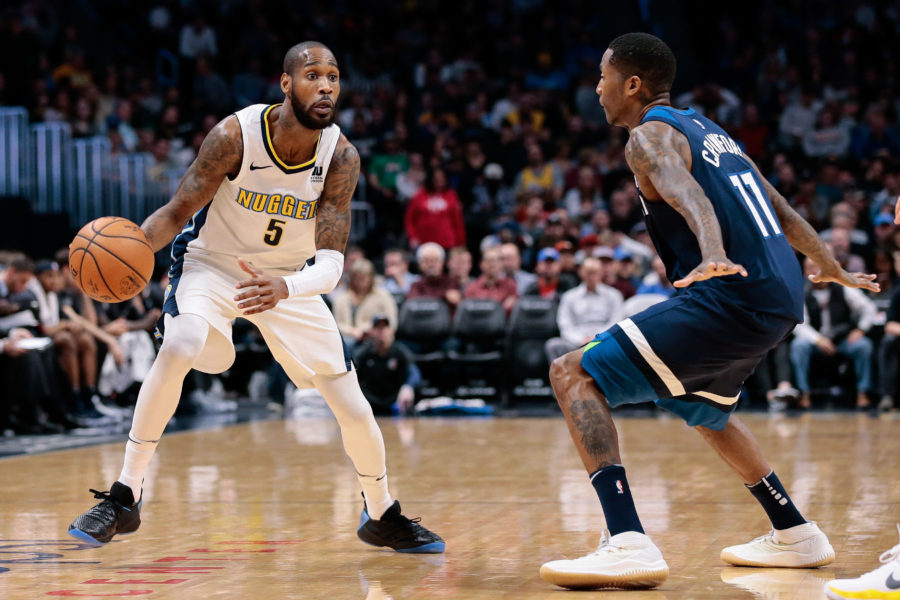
pixel 689 355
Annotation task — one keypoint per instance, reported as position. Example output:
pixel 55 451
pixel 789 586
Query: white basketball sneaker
pixel 882 583
pixel 625 560
pixel 799 547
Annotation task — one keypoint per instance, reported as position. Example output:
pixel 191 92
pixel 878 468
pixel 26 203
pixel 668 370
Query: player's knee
pixel 179 353
pixel 563 367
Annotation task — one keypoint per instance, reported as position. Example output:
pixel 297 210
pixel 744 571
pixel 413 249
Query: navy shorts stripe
pixel 638 360
pixel 616 376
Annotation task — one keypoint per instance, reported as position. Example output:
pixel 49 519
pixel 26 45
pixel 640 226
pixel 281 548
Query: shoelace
pixel 606 545
pixel 107 498
pixel 769 537
pixel 407 525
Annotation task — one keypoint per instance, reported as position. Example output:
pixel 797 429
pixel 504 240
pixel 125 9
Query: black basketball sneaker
pixel 117 514
pixel 398 532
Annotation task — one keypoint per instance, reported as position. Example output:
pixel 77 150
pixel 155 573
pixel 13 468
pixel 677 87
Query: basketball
pixel 111 259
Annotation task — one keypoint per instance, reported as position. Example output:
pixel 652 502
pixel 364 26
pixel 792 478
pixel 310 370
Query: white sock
pixel 137 456
pixel 375 490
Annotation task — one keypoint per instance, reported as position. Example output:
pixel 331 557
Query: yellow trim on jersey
pixel 271 146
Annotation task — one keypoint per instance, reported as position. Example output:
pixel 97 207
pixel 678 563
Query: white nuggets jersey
pixel 267 213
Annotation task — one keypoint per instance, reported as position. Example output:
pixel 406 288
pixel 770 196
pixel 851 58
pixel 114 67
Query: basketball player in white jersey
pixel 264 217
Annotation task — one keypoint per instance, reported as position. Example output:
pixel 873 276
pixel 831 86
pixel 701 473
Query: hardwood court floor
pixel 268 510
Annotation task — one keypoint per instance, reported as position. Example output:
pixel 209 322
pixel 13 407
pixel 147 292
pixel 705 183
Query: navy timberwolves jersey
pixel 751 232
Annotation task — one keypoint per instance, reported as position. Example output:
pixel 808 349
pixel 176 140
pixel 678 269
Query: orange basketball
pixel 111 259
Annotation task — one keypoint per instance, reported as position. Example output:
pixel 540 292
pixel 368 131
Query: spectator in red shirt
pixel 435 214
pixel 492 285
pixel 434 283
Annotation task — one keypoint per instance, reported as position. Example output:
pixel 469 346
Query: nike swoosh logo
pixel 254 167
pixel 892 583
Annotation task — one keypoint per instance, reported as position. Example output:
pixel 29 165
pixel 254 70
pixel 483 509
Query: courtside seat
pixel 424 325
pixel 532 323
pixel 424 328
pixel 479 328
pixel 479 332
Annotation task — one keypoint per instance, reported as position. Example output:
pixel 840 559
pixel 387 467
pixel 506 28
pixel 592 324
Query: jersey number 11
pixel 745 182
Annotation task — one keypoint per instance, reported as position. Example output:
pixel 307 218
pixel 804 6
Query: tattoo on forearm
pixel 598 434
pixel 220 155
pixel 655 151
pixel 333 216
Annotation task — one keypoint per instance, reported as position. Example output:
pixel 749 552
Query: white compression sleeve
pixel 184 340
pixel 318 278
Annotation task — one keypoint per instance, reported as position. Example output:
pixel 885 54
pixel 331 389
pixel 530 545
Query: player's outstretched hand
pixel 854 280
pixel 709 269
pixel 264 291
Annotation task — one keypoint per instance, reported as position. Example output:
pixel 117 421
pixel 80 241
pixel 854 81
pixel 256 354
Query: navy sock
pixel 615 497
pixel 776 502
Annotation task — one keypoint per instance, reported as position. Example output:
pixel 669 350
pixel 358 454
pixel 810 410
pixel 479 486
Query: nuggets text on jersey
pixel 277 204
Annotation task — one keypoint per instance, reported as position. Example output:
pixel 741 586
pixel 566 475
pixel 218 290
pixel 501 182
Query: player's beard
pixel 306 118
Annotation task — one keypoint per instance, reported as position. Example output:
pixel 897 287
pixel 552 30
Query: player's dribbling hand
pixel 264 293
pixel 709 269
pixel 853 280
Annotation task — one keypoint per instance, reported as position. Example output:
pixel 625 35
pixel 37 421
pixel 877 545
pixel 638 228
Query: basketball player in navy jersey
pixel 725 236
pixel 260 222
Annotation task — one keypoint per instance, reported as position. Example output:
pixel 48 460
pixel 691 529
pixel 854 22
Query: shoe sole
pixel 823 559
pixel 89 539
pixel 432 548
pixel 633 579
pixel 833 594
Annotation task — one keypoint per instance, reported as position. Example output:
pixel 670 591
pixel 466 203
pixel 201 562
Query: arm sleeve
pixel 318 278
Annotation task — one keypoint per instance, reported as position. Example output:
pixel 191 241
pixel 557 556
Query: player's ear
pixel 634 85
pixel 285 82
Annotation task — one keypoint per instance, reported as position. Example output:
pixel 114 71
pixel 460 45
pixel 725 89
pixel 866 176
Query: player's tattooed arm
pixel 801 235
pixel 219 156
pixel 333 214
pixel 658 152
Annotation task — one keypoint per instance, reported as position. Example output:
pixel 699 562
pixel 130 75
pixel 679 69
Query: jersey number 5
pixel 745 182
pixel 274 232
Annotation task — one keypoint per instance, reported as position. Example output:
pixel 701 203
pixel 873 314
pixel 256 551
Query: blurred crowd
pixel 486 157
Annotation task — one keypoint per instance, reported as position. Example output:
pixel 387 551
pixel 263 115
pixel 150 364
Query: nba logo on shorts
pixel 619 486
